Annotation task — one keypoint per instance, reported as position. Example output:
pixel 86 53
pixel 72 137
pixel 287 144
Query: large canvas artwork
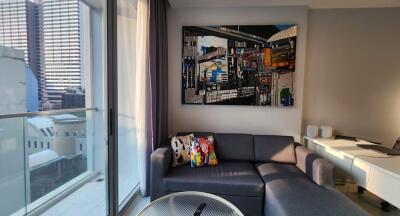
pixel 239 65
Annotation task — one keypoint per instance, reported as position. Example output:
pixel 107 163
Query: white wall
pixel 221 118
pixel 353 72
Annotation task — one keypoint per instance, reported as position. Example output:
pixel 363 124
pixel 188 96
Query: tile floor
pixel 137 205
pixel 88 200
pixel 367 200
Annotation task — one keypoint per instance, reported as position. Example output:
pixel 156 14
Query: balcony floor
pixel 90 199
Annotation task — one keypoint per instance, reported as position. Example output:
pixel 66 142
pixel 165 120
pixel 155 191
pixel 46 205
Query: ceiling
pixel 315 4
pixel 98 4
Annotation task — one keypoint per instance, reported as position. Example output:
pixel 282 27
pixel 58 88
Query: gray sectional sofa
pixel 260 174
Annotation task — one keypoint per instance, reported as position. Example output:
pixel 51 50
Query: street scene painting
pixel 239 65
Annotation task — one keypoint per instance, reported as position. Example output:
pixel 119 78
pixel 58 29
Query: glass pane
pixel 127 149
pixel 12 167
pixel 61 153
pixel 52 57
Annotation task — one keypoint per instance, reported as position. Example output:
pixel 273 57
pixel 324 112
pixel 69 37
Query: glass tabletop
pixel 191 203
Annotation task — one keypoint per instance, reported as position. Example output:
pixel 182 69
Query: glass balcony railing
pixel 43 154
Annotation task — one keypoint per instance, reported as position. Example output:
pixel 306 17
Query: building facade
pixel 21 28
pixel 35 42
pixel 13 25
pixel 61 48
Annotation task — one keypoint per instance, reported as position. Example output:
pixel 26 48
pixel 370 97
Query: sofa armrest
pixel 316 168
pixel 160 163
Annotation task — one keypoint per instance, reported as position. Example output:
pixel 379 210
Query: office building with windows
pixel 61 48
pixel 21 27
pixel 35 41
pixel 48 32
pixel 13 25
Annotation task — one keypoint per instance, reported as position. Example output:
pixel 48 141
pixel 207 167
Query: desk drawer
pixel 384 185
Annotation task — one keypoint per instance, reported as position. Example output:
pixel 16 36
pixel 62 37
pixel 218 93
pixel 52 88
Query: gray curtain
pixel 157 95
pixel 159 70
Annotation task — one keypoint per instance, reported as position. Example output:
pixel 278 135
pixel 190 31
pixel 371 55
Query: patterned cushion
pixel 202 152
pixel 181 149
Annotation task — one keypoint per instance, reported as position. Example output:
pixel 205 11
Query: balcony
pixel 53 161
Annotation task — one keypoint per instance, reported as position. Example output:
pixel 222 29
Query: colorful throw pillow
pixel 181 149
pixel 202 152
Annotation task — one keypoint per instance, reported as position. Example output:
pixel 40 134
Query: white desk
pixel 372 170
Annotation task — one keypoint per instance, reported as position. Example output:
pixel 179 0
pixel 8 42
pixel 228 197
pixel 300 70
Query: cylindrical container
pixel 326 132
pixel 312 131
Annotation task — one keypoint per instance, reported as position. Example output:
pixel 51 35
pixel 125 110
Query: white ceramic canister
pixel 312 131
pixel 326 132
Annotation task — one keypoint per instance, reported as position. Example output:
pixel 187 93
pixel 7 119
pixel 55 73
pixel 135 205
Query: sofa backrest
pixel 270 148
pixel 251 148
pixel 234 146
pixel 196 134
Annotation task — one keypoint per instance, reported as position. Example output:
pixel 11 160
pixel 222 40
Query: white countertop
pixel 388 164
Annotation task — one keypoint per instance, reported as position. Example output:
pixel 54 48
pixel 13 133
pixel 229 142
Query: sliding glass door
pixel 128 179
pixel 122 140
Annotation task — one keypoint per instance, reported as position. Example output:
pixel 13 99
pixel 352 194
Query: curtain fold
pixel 143 96
pixel 152 84
pixel 159 70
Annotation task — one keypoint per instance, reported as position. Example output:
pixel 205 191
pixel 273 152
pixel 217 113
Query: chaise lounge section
pixel 260 174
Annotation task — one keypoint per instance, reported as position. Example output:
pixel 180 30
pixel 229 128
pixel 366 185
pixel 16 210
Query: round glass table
pixel 191 203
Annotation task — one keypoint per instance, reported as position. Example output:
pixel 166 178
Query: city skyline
pixel 48 32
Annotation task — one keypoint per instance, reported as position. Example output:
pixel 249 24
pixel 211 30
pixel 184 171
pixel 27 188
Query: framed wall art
pixel 239 65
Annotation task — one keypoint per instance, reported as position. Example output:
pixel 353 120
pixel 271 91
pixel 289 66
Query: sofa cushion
pixel 269 148
pixel 230 178
pixel 234 147
pixel 202 152
pixel 289 192
pixel 181 149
